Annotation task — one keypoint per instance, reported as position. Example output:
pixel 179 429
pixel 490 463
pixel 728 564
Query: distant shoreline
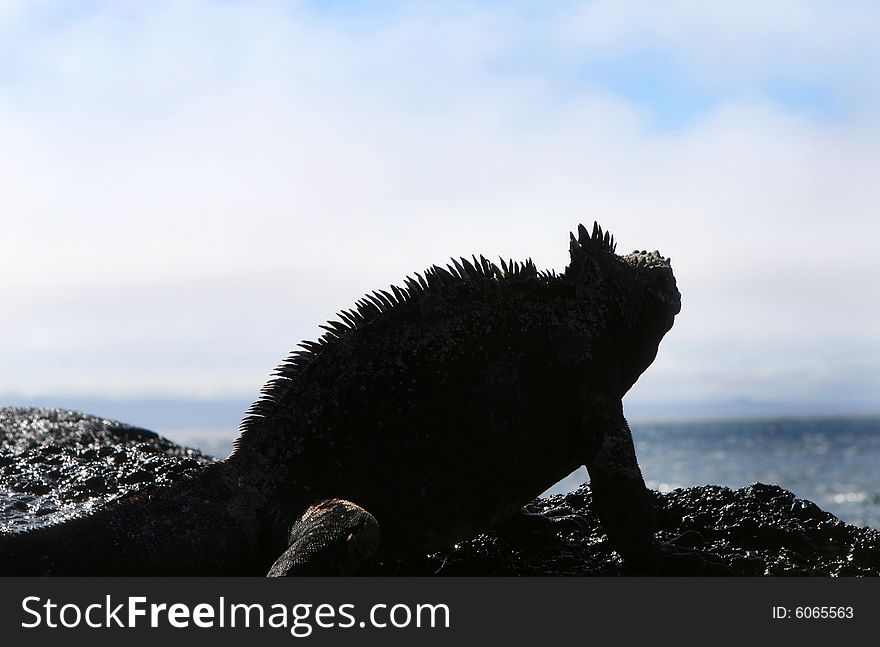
pixel 226 413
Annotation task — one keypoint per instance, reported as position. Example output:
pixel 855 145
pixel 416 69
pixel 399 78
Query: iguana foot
pixel 523 522
pixel 332 537
pixel 670 560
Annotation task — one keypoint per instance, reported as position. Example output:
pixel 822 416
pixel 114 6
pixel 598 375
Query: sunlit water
pixel 834 462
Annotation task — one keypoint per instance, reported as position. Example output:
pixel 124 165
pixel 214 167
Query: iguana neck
pixel 203 525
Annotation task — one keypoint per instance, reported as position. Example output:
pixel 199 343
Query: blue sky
pixel 187 189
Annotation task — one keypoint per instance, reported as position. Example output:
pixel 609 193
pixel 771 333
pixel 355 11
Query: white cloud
pixel 187 192
pixel 11 12
pixel 725 43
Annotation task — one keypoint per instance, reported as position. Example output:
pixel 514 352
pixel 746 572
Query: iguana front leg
pixel 626 508
pixel 332 537
pixel 620 498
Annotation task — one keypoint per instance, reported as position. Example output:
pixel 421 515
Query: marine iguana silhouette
pixel 432 411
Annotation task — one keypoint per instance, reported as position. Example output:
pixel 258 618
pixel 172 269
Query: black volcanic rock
pixel 56 463
pixel 756 530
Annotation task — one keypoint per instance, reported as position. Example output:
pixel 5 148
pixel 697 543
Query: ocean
pixel 834 462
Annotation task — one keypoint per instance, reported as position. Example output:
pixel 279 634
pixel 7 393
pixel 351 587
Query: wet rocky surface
pixel 55 464
pixel 753 531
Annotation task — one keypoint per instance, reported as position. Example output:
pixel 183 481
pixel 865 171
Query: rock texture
pixel 757 530
pixel 55 464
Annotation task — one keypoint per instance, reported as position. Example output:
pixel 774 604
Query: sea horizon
pixel 169 412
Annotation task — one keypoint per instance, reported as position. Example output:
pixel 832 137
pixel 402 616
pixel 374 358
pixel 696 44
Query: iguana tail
pixel 203 525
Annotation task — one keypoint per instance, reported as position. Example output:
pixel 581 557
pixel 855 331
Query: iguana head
pixel 639 292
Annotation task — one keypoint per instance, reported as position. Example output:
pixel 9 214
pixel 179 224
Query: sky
pixel 188 188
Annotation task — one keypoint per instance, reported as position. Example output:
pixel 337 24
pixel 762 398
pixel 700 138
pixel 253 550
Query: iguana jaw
pixel 655 274
pixel 659 304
